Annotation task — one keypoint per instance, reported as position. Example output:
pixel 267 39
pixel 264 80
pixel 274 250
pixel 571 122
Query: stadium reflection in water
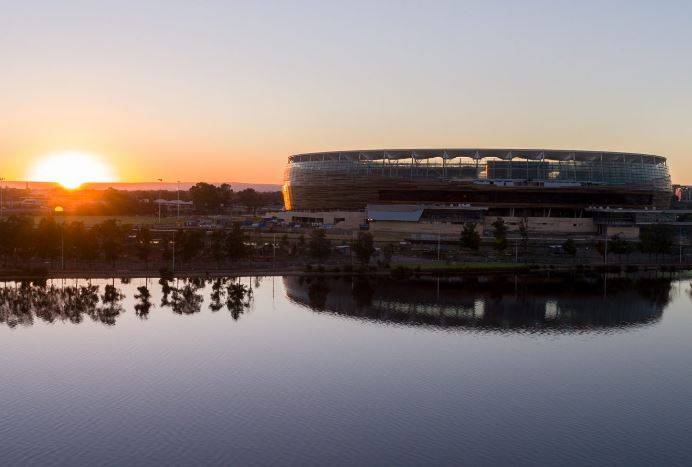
pixel 504 304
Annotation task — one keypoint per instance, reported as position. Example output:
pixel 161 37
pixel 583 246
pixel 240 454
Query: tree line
pixel 206 199
pixel 22 240
pixel 655 239
pixel 109 242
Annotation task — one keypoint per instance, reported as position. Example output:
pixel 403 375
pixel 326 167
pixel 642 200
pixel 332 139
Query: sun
pixel 71 169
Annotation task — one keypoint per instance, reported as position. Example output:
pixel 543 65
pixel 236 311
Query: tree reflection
pixel 239 297
pixel 22 302
pixel 186 300
pixel 217 294
pixel 111 306
pixel 19 304
pixel 142 308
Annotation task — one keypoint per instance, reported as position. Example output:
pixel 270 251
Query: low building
pixel 173 207
pixel 348 220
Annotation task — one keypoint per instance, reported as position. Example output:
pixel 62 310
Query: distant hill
pixel 237 186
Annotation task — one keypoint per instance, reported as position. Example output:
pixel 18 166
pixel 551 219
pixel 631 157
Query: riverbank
pixel 401 270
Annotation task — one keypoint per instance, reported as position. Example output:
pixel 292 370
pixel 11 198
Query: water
pixel 504 371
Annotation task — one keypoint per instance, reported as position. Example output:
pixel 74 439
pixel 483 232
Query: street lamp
pixel 160 198
pixel 178 215
pixel 2 182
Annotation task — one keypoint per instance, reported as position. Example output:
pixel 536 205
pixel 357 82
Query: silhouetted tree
pixel 208 198
pixel 47 239
pixel 144 244
pixel 655 239
pixel 569 247
pixel 500 233
pixel 16 237
pixel 217 245
pixel 250 198
pixel 110 237
pixel 188 244
pixel 387 253
pixel 470 238
pixel 363 247
pixel 319 246
pixel 236 249
pixel 284 245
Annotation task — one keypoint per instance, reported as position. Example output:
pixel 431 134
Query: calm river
pixel 519 371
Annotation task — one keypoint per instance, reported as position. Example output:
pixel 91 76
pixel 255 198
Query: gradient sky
pixel 222 90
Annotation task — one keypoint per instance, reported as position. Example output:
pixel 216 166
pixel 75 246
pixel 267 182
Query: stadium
pixel 429 186
pixel 489 177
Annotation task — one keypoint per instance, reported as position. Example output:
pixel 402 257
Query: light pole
pixel 2 190
pixel 174 251
pixel 160 198
pixel 62 246
pixel 178 215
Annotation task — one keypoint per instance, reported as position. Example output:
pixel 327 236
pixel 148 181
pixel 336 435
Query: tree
pixel 569 247
pixel 143 239
pixel 656 239
pixel 47 239
pixel 250 198
pixel 110 238
pixel 619 246
pixel 319 246
pixel 208 198
pixel 284 244
pixel 16 237
pixel 500 233
pixel 470 238
pixel 188 244
pixel 235 244
pixel 387 253
pixel 74 235
pixel 218 245
pixel 363 247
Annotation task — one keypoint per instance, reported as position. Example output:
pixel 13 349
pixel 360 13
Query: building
pixel 502 179
pixel 556 190
pixel 173 207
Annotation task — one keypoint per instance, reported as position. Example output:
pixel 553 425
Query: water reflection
pixel 23 302
pixel 523 303
pixel 515 303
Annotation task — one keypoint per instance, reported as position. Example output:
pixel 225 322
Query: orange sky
pixel 206 91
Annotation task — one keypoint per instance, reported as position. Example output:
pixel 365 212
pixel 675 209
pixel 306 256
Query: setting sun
pixel 71 169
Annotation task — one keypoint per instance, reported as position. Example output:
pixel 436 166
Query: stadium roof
pixel 479 153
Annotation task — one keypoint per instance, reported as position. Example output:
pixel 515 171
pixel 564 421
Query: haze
pixel 226 91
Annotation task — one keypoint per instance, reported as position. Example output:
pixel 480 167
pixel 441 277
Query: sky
pixel 223 90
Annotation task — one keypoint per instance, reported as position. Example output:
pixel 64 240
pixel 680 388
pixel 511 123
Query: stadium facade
pixel 489 177
pixel 455 186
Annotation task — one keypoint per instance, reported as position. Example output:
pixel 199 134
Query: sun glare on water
pixel 71 169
